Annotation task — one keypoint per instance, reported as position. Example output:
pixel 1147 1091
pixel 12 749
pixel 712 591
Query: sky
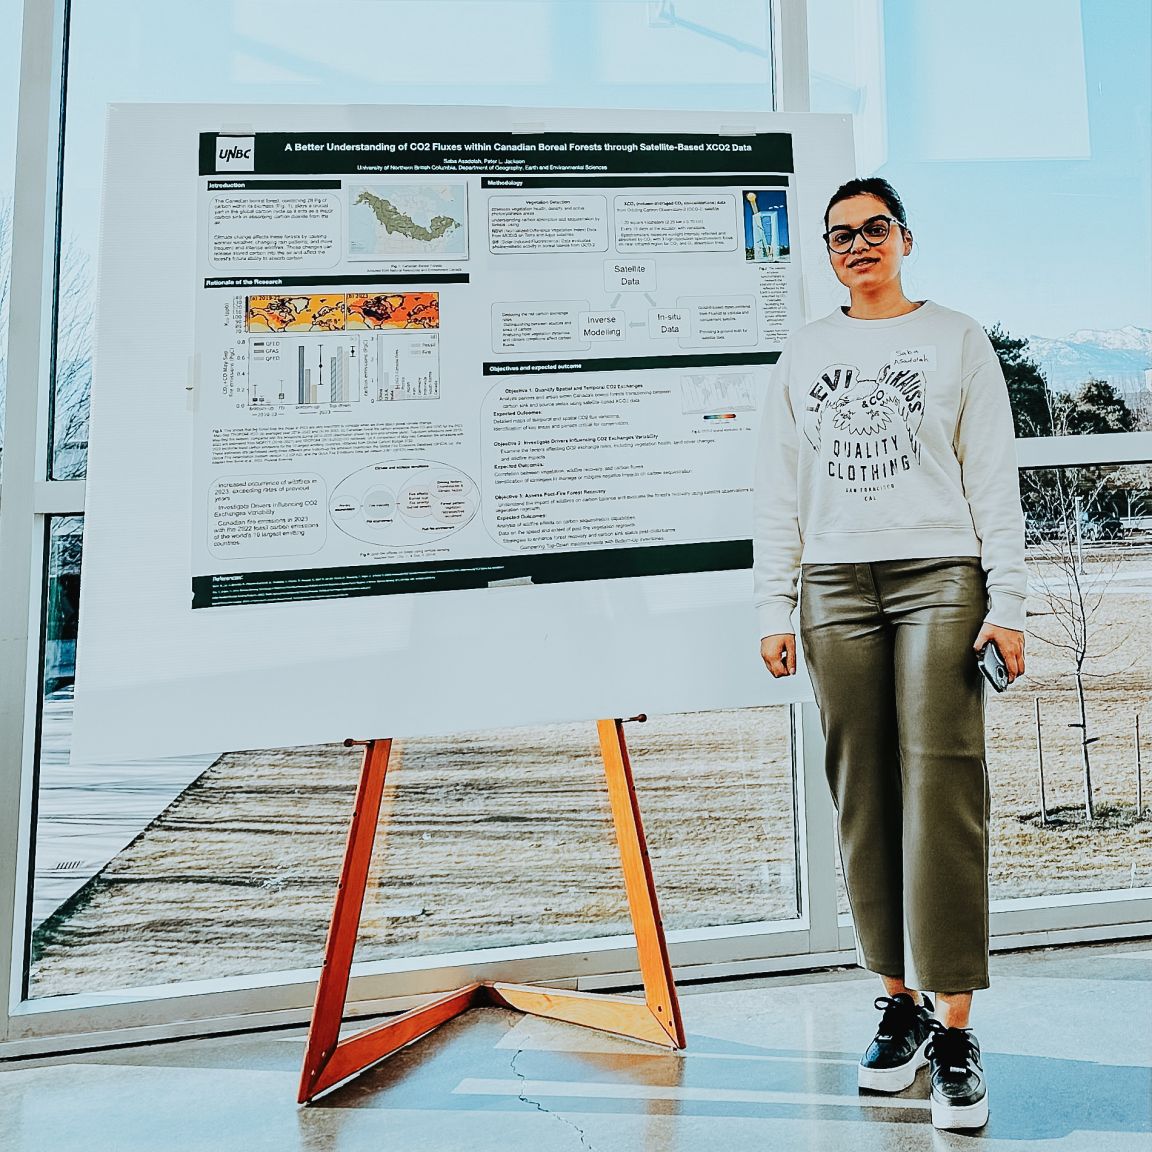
pixel 1016 130
pixel 1062 239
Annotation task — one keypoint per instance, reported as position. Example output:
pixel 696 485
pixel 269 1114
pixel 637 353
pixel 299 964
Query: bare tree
pixel 1064 505
pixel 73 376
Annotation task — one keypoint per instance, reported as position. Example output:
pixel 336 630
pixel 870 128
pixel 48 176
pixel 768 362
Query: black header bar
pixel 427 153
pixel 271 185
pixel 530 183
pixel 384 281
pixel 628 363
pixel 451 575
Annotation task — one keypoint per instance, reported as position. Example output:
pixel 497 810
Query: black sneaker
pixel 897 1052
pixel 959 1093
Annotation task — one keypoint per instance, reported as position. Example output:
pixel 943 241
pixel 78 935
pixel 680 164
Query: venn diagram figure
pixel 403 503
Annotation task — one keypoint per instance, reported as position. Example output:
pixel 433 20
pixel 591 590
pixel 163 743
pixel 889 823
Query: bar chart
pixel 305 371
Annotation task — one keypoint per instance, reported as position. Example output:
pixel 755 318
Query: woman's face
pixel 864 266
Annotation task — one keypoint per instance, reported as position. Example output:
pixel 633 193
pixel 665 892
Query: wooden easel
pixel 329 1060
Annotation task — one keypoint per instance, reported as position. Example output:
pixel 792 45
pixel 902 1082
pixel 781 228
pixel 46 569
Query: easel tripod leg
pixel 655 966
pixel 329 1060
pixel 332 990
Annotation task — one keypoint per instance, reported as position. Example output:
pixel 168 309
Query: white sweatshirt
pixel 887 440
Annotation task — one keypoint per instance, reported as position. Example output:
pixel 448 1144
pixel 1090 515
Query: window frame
pixel 29 498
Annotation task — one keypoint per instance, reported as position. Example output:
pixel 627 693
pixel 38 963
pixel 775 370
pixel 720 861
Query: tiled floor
pixel 770 1066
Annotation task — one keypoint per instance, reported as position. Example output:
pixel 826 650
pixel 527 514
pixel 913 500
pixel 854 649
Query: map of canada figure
pixel 409 221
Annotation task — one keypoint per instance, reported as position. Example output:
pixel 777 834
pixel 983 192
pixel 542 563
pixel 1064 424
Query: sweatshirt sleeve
pixel 986 449
pixel 776 539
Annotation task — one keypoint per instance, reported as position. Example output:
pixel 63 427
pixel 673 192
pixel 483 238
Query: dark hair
pixel 872 186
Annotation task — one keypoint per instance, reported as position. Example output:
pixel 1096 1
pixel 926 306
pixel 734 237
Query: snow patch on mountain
pixel 1129 337
pixel 1122 356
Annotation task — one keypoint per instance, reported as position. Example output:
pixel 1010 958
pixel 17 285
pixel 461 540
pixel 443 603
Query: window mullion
pixel 790 55
pixel 24 462
pixel 1073 451
pixel 58 497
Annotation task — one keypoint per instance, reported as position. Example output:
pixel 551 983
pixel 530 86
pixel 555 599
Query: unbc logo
pixel 235 153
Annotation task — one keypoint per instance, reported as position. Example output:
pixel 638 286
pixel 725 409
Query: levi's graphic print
pixel 865 428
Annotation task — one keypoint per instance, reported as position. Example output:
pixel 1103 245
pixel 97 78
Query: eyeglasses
pixel 875 231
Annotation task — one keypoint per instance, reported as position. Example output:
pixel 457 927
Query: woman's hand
pixel 779 654
pixel 1011 645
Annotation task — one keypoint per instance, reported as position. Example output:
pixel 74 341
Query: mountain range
pixel 1122 356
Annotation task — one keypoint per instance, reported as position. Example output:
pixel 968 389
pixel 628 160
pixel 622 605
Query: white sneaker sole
pixel 893 1079
pixel 960 1115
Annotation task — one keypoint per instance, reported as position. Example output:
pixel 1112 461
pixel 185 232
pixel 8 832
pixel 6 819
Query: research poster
pixel 413 421
pixel 437 360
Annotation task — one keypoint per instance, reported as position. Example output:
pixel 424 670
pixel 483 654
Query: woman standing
pixel 887 478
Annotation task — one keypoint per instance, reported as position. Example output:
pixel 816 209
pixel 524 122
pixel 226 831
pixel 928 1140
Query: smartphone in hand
pixel 993 666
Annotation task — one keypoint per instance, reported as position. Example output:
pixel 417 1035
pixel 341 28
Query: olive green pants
pixel 889 649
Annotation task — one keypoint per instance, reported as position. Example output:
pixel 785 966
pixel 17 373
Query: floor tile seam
pixel 986 994
pixel 87 1069
pixel 994 1050
pixel 688 1055
pixel 480 1086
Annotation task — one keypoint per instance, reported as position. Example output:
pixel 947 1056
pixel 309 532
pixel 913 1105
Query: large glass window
pixel 518 53
pixel 201 869
pixel 1027 177
pixel 1019 136
pixel 213 866
pixel 1068 745
pixel 225 865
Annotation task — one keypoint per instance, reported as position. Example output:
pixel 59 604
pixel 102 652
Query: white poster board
pixel 409 421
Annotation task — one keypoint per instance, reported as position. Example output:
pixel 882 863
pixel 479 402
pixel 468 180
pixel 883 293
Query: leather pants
pixel 889 649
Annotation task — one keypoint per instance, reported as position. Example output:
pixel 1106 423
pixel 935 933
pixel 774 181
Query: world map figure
pixel 322 313
pixel 399 310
